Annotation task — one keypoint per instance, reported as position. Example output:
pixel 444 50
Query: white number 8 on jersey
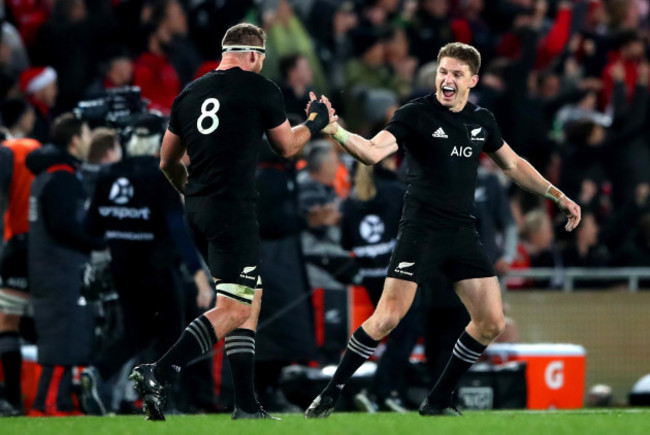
pixel 210 114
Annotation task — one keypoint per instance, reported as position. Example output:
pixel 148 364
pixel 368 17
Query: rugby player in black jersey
pixel 443 135
pixel 219 120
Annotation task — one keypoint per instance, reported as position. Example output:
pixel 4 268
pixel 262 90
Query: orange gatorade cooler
pixel 555 373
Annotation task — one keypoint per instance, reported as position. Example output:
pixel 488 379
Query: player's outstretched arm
pixel 171 153
pixel 527 177
pixel 365 151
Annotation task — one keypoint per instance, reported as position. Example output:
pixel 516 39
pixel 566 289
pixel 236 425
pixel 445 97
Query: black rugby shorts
pixel 229 243
pixel 421 255
pixel 13 264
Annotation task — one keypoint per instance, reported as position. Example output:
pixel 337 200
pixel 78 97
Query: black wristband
pixel 318 118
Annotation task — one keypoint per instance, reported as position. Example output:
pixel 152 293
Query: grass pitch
pixel 591 422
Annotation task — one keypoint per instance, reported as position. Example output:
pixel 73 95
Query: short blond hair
pixel 464 53
pixel 534 221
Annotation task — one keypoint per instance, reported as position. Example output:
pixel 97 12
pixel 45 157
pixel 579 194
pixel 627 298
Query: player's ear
pixel 474 81
pixel 251 57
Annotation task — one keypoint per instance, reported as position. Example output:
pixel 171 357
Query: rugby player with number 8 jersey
pixel 219 120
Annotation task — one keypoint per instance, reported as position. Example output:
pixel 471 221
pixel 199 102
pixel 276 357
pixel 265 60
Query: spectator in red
pixel 39 85
pixel 154 73
pixel 29 16
pixel 551 44
pixel 630 51
pixel 470 27
pixel 206 67
pixel 182 52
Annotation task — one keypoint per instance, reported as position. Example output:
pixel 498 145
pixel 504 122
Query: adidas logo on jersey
pixel 440 133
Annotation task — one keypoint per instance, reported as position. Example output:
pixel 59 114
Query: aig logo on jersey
pixel 461 151
pixel 121 191
pixel 476 133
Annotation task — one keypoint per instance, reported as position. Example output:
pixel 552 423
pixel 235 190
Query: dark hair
pixel 64 128
pixel 62 10
pixel 8 79
pixel 624 37
pixel 464 53
pixel 287 63
pixel 244 34
pixel 364 38
pixel 102 142
pixel 145 32
pixel 578 132
pixel 159 10
pixel 111 54
pixel 12 110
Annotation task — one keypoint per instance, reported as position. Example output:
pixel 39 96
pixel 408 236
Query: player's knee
pixel 241 313
pixel 493 326
pixel 385 323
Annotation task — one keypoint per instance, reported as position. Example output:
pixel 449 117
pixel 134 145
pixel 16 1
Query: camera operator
pixel 57 248
pixel 141 216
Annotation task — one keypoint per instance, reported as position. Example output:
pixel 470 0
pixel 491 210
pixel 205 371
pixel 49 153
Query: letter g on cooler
pixel 554 375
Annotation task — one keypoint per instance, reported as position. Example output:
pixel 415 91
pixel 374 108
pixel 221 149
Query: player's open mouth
pixel 448 91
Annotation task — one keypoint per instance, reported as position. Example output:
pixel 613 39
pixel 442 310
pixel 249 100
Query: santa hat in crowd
pixel 36 78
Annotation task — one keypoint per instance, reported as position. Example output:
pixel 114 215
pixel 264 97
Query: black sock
pixel 11 365
pixel 240 349
pixel 360 347
pixel 198 338
pixel 466 351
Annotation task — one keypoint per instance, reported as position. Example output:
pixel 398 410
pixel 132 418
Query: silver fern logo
pixel 404 265
pixel 245 273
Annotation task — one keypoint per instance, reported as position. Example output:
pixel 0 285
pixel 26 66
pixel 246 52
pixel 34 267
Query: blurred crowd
pixel 567 82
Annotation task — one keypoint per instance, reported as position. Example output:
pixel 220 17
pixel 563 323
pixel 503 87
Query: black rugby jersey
pixel 221 118
pixel 442 152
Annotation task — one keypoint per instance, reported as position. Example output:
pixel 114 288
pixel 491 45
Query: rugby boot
pixel 428 409
pixel 150 390
pixel 239 414
pixel 321 407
